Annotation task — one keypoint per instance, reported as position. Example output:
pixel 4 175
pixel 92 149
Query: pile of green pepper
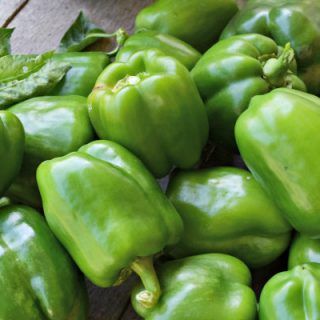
pixel 84 136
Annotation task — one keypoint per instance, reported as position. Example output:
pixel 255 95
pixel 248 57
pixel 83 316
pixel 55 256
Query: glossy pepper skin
pixel 198 24
pixel 151 106
pixel 80 79
pixel 54 126
pixel 294 21
pixel 279 141
pixel 303 250
pixel 233 71
pixel 116 232
pixel 11 148
pixel 169 45
pixel 292 295
pixel 38 278
pixel 225 210
pixel 203 287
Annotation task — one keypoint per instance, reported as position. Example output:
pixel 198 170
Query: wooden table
pixel 39 26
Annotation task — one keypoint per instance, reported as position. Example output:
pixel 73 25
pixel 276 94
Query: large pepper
pixel 169 45
pixel 233 71
pixel 11 148
pixel 85 69
pixel 204 287
pixel 198 24
pixel 294 21
pixel 54 126
pixel 303 250
pixel 38 278
pixel 279 140
pixel 151 106
pixel 292 294
pixel 225 210
pixel 109 212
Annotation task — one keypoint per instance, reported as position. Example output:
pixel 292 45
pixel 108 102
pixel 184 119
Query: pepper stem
pixel 143 267
pixel 120 35
pixel 276 70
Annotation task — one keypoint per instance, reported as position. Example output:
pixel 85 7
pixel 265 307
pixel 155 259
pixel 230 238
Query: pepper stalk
pixel 120 35
pixel 143 267
pixel 277 70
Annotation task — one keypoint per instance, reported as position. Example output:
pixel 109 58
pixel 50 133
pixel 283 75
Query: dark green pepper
pixel 109 212
pixel 303 250
pixel 292 295
pixel 294 21
pixel 233 71
pixel 204 287
pixel 278 138
pixel 54 126
pixel 151 106
pixel 38 278
pixel 80 79
pixel 198 24
pixel 169 45
pixel 11 148
pixel 225 210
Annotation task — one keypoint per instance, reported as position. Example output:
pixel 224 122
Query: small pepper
pixel 109 213
pixel 11 148
pixel 225 210
pixel 85 69
pixel 279 140
pixel 292 294
pixel 169 45
pixel 197 23
pixel 38 278
pixel 294 21
pixel 54 126
pixel 204 287
pixel 151 106
pixel 233 71
pixel 303 250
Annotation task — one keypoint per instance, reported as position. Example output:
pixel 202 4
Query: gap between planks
pixel 17 7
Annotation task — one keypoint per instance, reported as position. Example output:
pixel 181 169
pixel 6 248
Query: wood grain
pixel 129 314
pixel 42 23
pixel 9 9
pixel 109 303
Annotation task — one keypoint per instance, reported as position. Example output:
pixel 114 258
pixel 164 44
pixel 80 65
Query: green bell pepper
pixel 279 140
pixel 151 106
pixel 38 278
pixel 54 126
pixel 233 71
pixel 292 295
pixel 80 79
pixel 204 287
pixel 197 24
pixel 303 250
pixel 120 229
pixel 225 210
pixel 294 21
pixel 11 148
pixel 169 45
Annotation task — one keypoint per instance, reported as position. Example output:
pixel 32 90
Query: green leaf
pixel 5 35
pixel 17 67
pixel 79 35
pixel 36 84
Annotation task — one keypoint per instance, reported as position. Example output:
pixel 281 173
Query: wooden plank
pixel 130 314
pixel 41 24
pixel 109 303
pixel 9 9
